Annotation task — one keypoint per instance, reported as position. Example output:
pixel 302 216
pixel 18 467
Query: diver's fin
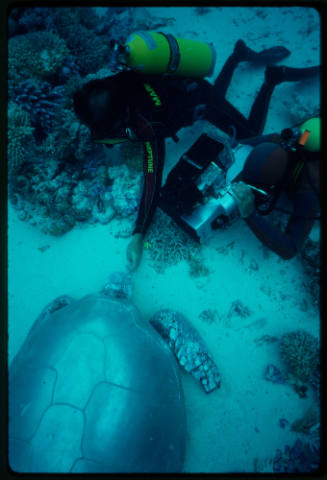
pixel 277 74
pixel 270 55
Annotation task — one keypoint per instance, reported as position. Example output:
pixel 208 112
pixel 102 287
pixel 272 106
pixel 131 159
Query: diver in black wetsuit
pixel 150 108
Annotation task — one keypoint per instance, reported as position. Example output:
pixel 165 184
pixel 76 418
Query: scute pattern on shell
pixel 94 389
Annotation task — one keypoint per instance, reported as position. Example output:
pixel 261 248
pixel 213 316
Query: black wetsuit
pixel 159 106
pixel 300 198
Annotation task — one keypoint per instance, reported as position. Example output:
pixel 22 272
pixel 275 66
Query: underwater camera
pixel 197 193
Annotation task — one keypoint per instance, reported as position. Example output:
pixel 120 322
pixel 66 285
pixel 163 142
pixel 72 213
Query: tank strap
pixel 175 55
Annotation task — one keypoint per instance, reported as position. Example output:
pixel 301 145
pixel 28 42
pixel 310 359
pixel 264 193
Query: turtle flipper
pixel 188 347
pixel 269 55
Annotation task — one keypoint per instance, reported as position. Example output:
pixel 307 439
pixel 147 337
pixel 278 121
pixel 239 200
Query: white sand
pixel 231 427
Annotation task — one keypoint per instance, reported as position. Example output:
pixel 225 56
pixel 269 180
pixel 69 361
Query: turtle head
pixel 119 285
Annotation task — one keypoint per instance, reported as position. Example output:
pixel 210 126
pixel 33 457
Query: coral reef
pixel 300 352
pixel 68 70
pixel 35 55
pixel 70 141
pixel 77 27
pixel 27 20
pixel 126 190
pixel 20 135
pixel 41 101
pixel 57 176
pixel 168 244
pixel 301 457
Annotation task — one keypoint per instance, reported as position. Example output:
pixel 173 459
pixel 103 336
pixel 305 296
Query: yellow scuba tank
pixel 159 53
pixel 313 126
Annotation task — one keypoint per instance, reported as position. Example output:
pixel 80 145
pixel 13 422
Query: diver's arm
pixel 286 244
pixel 254 141
pixel 154 155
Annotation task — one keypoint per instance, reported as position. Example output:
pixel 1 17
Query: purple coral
pixel 40 100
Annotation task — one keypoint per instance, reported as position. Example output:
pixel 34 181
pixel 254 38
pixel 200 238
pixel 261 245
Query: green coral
pixel 36 54
pixel 20 133
pixel 300 352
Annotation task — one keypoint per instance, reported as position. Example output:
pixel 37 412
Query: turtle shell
pixel 95 389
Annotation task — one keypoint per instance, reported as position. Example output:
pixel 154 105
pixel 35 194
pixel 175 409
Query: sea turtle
pixel 94 388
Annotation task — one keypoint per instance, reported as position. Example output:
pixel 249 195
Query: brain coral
pixel 300 352
pixel 38 54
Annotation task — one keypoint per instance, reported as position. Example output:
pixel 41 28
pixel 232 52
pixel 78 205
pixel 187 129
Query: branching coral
pixel 41 101
pixel 300 352
pixel 168 244
pixel 37 55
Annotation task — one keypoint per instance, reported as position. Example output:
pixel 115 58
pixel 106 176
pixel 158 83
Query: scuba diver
pixel 290 171
pixel 146 105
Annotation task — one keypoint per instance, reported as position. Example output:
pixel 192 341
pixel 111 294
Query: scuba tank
pixel 313 126
pixel 306 135
pixel 160 53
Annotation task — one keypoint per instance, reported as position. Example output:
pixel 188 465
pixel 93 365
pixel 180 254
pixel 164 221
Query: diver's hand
pixel 134 252
pixel 244 198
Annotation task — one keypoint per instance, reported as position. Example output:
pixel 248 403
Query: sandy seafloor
pixel 235 428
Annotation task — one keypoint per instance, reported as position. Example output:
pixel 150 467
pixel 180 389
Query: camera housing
pixel 197 194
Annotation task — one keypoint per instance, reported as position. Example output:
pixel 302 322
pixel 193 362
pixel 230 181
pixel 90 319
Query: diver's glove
pixel 244 198
pixel 134 252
